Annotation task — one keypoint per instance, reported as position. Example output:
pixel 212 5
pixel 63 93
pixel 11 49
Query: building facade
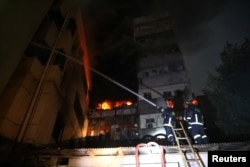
pixel 46 99
pixel 113 125
pixel 162 70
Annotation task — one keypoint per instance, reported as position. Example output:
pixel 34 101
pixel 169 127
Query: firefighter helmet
pixel 170 103
pixel 194 102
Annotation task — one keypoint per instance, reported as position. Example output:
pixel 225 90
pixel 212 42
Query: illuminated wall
pixel 46 99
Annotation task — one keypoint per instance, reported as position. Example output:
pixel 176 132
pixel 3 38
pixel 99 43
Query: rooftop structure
pixel 147 155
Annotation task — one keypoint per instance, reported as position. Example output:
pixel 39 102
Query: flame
pixel 84 48
pixel 129 103
pixel 107 104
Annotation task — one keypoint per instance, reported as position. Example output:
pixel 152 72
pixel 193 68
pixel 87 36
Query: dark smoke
pixel 110 33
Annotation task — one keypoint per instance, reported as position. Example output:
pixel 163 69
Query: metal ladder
pixel 150 144
pixel 187 148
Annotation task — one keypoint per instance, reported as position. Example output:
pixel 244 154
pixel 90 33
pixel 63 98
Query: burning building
pixel 162 69
pixel 112 120
pixel 161 74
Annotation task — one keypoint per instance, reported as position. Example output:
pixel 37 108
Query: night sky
pixel 202 29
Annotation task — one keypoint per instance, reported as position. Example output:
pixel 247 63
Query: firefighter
pixel 169 120
pixel 194 118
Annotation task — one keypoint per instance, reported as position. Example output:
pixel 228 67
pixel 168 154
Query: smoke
pixel 109 26
pixel 109 20
pixel 190 20
pixel 187 14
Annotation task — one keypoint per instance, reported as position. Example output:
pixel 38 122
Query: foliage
pixel 228 89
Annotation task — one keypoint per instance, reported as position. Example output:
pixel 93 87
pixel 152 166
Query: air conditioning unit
pixel 151 125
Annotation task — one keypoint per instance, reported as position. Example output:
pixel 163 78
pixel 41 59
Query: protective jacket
pixel 194 118
pixel 168 117
pixel 193 115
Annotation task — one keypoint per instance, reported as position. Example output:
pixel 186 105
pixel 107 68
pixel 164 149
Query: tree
pixel 228 89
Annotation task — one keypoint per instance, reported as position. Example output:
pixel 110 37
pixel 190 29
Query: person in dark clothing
pixel 135 131
pixel 169 120
pixel 194 118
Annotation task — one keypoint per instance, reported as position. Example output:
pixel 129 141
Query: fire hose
pixel 122 86
pixel 99 73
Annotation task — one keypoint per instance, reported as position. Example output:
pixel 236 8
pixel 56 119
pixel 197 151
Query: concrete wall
pixel 17 96
pixel 19 22
pixel 115 159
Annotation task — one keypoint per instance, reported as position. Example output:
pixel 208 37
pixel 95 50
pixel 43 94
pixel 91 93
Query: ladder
pixel 148 145
pixel 180 134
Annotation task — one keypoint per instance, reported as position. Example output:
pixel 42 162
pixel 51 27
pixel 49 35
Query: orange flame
pixel 107 104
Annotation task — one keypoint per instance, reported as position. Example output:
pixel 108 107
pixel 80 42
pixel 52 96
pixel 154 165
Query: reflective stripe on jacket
pixel 169 117
pixel 193 115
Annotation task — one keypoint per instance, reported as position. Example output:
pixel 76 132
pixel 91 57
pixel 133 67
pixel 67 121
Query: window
pixel 148 96
pixel 60 60
pixel 72 26
pixel 154 71
pixel 180 66
pixel 41 53
pixel 167 94
pixel 57 17
pixel 62 161
pixel 58 128
pixel 164 70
